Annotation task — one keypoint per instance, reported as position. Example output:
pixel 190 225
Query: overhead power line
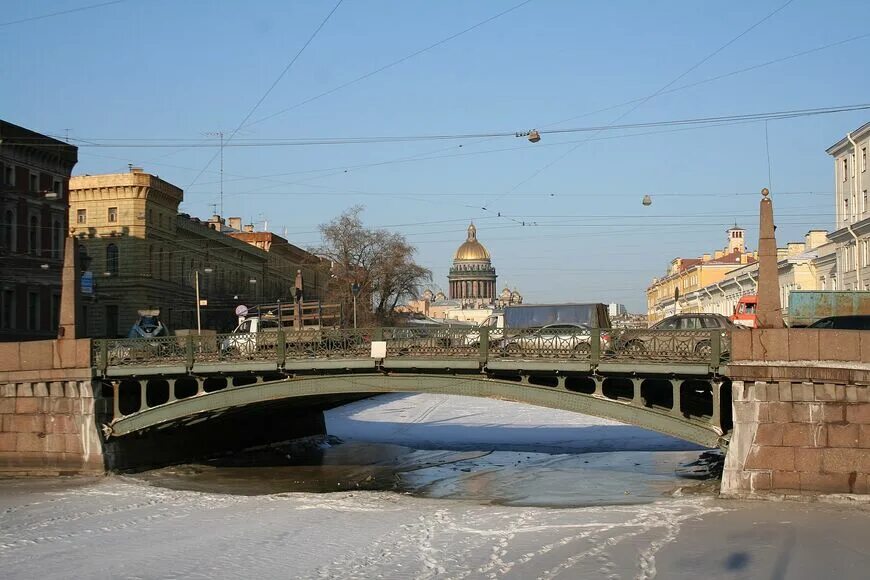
pixel 648 97
pixel 391 64
pixel 269 90
pixel 305 141
pixel 60 13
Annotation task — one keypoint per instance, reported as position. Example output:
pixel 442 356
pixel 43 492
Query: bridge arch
pixel 623 398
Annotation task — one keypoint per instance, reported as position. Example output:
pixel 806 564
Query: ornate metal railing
pixel 594 346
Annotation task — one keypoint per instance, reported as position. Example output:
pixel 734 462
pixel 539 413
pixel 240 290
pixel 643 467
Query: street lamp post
pixel 354 289
pixel 196 285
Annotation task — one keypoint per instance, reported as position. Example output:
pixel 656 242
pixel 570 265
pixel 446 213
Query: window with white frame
pixel 845 169
pixel 81 216
pixel 113 214
pixel 863 159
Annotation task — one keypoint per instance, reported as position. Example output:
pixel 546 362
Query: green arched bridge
pixel 667 381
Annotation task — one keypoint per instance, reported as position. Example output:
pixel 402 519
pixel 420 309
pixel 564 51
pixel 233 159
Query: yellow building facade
pixel 687 275
pixel 139 253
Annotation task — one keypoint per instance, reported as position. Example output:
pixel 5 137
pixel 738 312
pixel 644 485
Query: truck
pixel 258 326
pixel 807 306
pixel 744 311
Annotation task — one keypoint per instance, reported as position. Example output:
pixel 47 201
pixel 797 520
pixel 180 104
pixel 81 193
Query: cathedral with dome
pixel 472 277
pixel 472 290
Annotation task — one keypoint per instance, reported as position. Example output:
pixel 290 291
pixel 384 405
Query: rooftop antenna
pixel 214 207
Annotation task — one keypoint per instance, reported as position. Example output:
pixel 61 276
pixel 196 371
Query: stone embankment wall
pixel 47 424
pixel 801 406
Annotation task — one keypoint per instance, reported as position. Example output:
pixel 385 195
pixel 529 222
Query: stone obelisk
pixel 769 309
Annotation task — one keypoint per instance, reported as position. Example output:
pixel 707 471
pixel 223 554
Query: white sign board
pixel 379 349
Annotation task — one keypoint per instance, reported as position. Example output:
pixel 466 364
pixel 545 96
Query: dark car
pixel 697 341
pixel 855 322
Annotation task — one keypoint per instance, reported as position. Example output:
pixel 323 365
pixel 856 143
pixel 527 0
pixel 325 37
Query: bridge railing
pixel 594 346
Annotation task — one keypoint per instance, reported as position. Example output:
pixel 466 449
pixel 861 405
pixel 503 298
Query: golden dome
pixel 471 250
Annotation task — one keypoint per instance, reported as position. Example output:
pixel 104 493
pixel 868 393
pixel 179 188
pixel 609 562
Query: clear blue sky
pixel 166 69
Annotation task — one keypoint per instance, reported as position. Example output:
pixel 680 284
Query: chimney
pixel 236 223
pixel 706 257
pixel 816 238
pixel 794 248
pixel 249 228
pixel 718 254
pixel 136 169
pixel 781 254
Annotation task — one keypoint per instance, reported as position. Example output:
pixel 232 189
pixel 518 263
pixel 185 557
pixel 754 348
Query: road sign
pixel 87 282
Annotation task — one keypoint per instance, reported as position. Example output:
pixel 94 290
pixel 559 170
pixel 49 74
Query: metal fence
pixel 594 346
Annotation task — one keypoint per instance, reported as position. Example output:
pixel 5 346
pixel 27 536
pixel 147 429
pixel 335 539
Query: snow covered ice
pixel 122 527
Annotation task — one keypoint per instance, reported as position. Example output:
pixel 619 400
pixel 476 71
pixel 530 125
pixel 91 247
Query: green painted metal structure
pixel 667 381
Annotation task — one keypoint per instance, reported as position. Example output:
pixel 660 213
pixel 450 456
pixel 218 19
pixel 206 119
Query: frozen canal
pixel 472 514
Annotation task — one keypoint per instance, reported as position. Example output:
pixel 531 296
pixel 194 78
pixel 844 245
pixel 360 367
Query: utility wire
pixel 425 155
pixel 649 97
pixel 269 90
pixel 391 64
pixel 60 13
pixel 596 129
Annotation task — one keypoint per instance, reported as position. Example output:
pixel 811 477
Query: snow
pixel 122 527
pixel 430 421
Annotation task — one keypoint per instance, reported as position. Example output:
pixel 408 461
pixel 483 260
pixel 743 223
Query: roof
pixel 471 250
pixel 11 134
pixel 858 133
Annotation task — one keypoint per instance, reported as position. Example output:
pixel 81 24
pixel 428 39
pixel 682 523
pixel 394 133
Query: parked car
pixel 856 322
pixel 553 337
pixel 643 341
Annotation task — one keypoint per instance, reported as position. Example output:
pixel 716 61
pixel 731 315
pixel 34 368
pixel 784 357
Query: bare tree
pixel 380 262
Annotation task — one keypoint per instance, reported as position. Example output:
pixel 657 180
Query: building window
pixel 112 259
pixel 34 182
pixel 854 165
pixel 56 187
pixel 8 238
pixel 33 235
pixel 55 311
pixel 32 311
pixel 111 320
pixel 113 215
pixel 845 208
pixel 56 237
pixel 845 169
pixel 7 308
pixel 9 175
pixel 81 216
